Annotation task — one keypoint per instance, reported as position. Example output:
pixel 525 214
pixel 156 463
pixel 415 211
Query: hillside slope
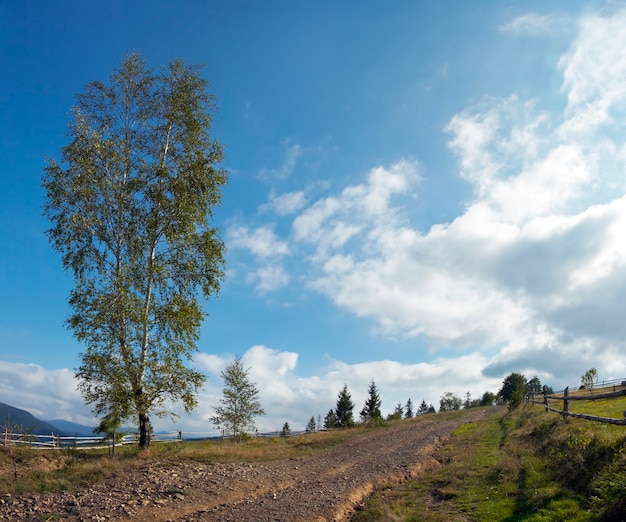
pixel 18 420
pixel 72 429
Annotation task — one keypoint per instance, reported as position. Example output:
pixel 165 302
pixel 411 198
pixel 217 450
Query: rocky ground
pixel 324 486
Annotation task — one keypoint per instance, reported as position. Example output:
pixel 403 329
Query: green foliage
pixel 110 427
pixel 449 401
pixel 533 386
pixel 396 414
pixel 344 409
pixel 488 399
pixel 330 421
pixel 589 379
pixel 608 488
pixel 311 426
pixel 467 401
pixel 130 207
pixel 425 408
pixel 513 388
pixel 371 409
pixel 240 402
pixel 286 431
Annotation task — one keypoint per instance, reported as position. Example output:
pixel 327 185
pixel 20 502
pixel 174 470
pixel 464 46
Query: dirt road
pixel 321 487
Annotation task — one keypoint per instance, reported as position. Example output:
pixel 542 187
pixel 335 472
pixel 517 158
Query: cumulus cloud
pixel 47 394
pixel 288 397
pixel 285 394
pixel 268 249
pixel 535 261
pixel 262 242
pixel 360 212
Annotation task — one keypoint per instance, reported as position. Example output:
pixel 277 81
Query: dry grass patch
pixel 23 469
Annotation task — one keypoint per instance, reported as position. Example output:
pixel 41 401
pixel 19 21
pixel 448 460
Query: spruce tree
pixel 396 414
pixel 330 421
pixel 408 409
pixel 423 409
pixel 371 409
pixel 344 409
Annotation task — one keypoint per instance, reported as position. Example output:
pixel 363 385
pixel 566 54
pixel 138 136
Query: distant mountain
pixel 24 422
pixel 72 429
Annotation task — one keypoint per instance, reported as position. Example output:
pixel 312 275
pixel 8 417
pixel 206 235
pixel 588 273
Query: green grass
pixel 455 490
pixel 526 465
pixel 613 407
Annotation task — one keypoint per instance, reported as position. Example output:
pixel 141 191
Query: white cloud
pixel 594 72
pixel 536 255
pixel 530 23
pixel 292 152
pixel 288 397
pixel 269 278
pixel 269 274
pixel 47 394
pixel 262 242
pixel 360 211
pixel 285 204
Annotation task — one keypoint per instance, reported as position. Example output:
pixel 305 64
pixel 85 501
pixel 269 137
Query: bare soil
pixel 325 486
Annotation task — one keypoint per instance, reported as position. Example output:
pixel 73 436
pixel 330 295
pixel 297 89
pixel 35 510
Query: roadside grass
pixel 255 449
pixel 25 469
pixel 455 489
pixel 527 464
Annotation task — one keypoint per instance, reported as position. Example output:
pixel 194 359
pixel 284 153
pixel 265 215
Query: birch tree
pixel 131 205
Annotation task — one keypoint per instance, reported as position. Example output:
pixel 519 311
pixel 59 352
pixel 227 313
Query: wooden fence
pixel 606 390
pixel 53 441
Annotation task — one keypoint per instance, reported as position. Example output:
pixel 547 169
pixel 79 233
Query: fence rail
pixel 53 441
pixel 606 391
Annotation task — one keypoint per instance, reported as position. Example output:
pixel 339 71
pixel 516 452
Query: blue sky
pixel 428 194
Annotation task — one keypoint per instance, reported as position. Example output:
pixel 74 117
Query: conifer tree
pixel 344 409
pixel 396 414
pixel 408 409
pixel 423 409
pixel 240 402
pixel 371 409
pixel 330 421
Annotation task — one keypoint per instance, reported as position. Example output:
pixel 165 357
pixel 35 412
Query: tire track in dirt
pixel 342 477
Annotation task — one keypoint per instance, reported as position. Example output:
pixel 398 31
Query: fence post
pixel 545 396
pixel 565 402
